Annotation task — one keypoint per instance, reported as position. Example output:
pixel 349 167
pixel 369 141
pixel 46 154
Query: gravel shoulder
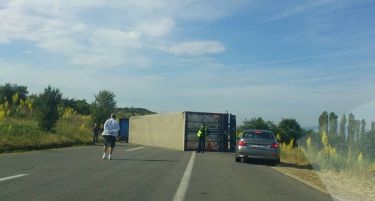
pixel 340 185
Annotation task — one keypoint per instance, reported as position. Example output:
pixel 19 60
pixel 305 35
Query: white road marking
pixel 13 177
pixel 135 149
pixel 182 188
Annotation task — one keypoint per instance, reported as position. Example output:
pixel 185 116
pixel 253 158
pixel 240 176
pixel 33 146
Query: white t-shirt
pixel 111 127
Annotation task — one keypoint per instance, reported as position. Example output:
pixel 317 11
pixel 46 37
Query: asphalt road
pixel 147 173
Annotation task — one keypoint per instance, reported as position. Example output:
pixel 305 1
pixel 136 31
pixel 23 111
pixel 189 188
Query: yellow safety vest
pixel 199 133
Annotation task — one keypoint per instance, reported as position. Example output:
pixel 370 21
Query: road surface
pixel 143 173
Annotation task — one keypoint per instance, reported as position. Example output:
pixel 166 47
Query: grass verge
pixel 23 134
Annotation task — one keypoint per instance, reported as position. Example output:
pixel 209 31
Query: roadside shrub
pixel 48 108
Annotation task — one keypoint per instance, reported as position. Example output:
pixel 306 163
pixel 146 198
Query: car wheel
pixel 238 159
pixel 275 162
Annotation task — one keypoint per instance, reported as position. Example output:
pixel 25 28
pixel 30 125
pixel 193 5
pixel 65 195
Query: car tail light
pixel 275 145
pixel 242 143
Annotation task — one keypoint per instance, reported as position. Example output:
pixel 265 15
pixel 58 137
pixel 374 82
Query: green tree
pixel 102 107
pixel 47 105
pixel 373 126
pixel 289 129
pixel 323 122
pixel 368 144
pixel 357 130
pixel 363 128
pixel 80 106
pixel 7 91
pixel 332 124
pixel 257 123
pixel 342 126
pixel 351 127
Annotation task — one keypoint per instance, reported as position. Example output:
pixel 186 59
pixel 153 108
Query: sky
pixel 252 58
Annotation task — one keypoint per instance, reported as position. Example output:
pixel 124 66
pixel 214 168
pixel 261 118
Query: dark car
pixel 258 144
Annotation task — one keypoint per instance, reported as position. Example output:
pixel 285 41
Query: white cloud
pixel 196 48
pixel 70 28
pixel 156 28
pixel 302 7
pixel 365 111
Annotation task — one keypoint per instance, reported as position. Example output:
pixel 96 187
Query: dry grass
pixel 341 186
pixel 305 175
pixel 23 133
pixel 345 178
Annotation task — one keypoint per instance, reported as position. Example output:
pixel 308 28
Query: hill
pixel 127 112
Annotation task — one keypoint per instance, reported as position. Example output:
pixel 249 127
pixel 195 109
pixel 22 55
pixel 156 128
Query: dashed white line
pixel 135 149
pixel 13 177
pixel 182 188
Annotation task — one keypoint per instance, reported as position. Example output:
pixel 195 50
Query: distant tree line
pixel 348 129
pixel 49 105
pixel 286 130
pixel 347 135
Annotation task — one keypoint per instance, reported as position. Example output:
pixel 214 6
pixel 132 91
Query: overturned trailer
pixel 179 130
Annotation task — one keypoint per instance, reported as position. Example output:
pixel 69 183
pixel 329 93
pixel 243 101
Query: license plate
pixel 258 146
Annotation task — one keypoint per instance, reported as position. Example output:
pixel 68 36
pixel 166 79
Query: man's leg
pixel 112 146
pixel 199 145
pixel 203 144
pixel 105 152
pixel 105 147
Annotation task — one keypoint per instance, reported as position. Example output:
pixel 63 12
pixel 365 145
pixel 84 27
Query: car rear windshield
pixel 258 134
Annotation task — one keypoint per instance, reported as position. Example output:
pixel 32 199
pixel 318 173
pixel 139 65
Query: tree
pixel 332 124
pixel 373 126
pixel 363 128
pixel 47 104
pixel 351 127
pixel 323 122
pixel 257 123
pixel 7 91
pixel 367 145
pixel 80 106
pixel 342 126
pixel 357 129
pixel 102 107
pixel 289 129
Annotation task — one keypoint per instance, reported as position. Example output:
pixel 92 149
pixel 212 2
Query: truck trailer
pixel 179 130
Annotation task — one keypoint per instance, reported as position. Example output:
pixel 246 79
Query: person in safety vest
pixel 202 133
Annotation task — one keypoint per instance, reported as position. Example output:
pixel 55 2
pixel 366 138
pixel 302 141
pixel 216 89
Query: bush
pixel 47 104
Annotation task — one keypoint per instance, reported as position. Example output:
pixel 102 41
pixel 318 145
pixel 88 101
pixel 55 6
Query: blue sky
pixel 273 59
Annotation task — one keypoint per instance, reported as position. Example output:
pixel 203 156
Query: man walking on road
pixel 110 132
pixel 202 133
pixel 95 133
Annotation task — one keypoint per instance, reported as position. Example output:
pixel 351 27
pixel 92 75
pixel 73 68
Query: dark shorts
pixel 109 141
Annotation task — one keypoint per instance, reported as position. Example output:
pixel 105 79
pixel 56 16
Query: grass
pixel 327 158
pixel 344 175
pixel 23 133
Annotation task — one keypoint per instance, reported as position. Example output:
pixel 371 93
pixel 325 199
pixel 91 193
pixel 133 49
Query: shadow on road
pixel 118 144
pixel 258 162
pixel 306 167
pixel 281 164
pixel 145 160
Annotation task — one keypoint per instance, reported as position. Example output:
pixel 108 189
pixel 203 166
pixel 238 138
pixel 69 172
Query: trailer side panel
pixel 158 130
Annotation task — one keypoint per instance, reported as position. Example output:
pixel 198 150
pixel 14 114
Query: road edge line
pixel 12 177
pixel 134 149
pixel 184 183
